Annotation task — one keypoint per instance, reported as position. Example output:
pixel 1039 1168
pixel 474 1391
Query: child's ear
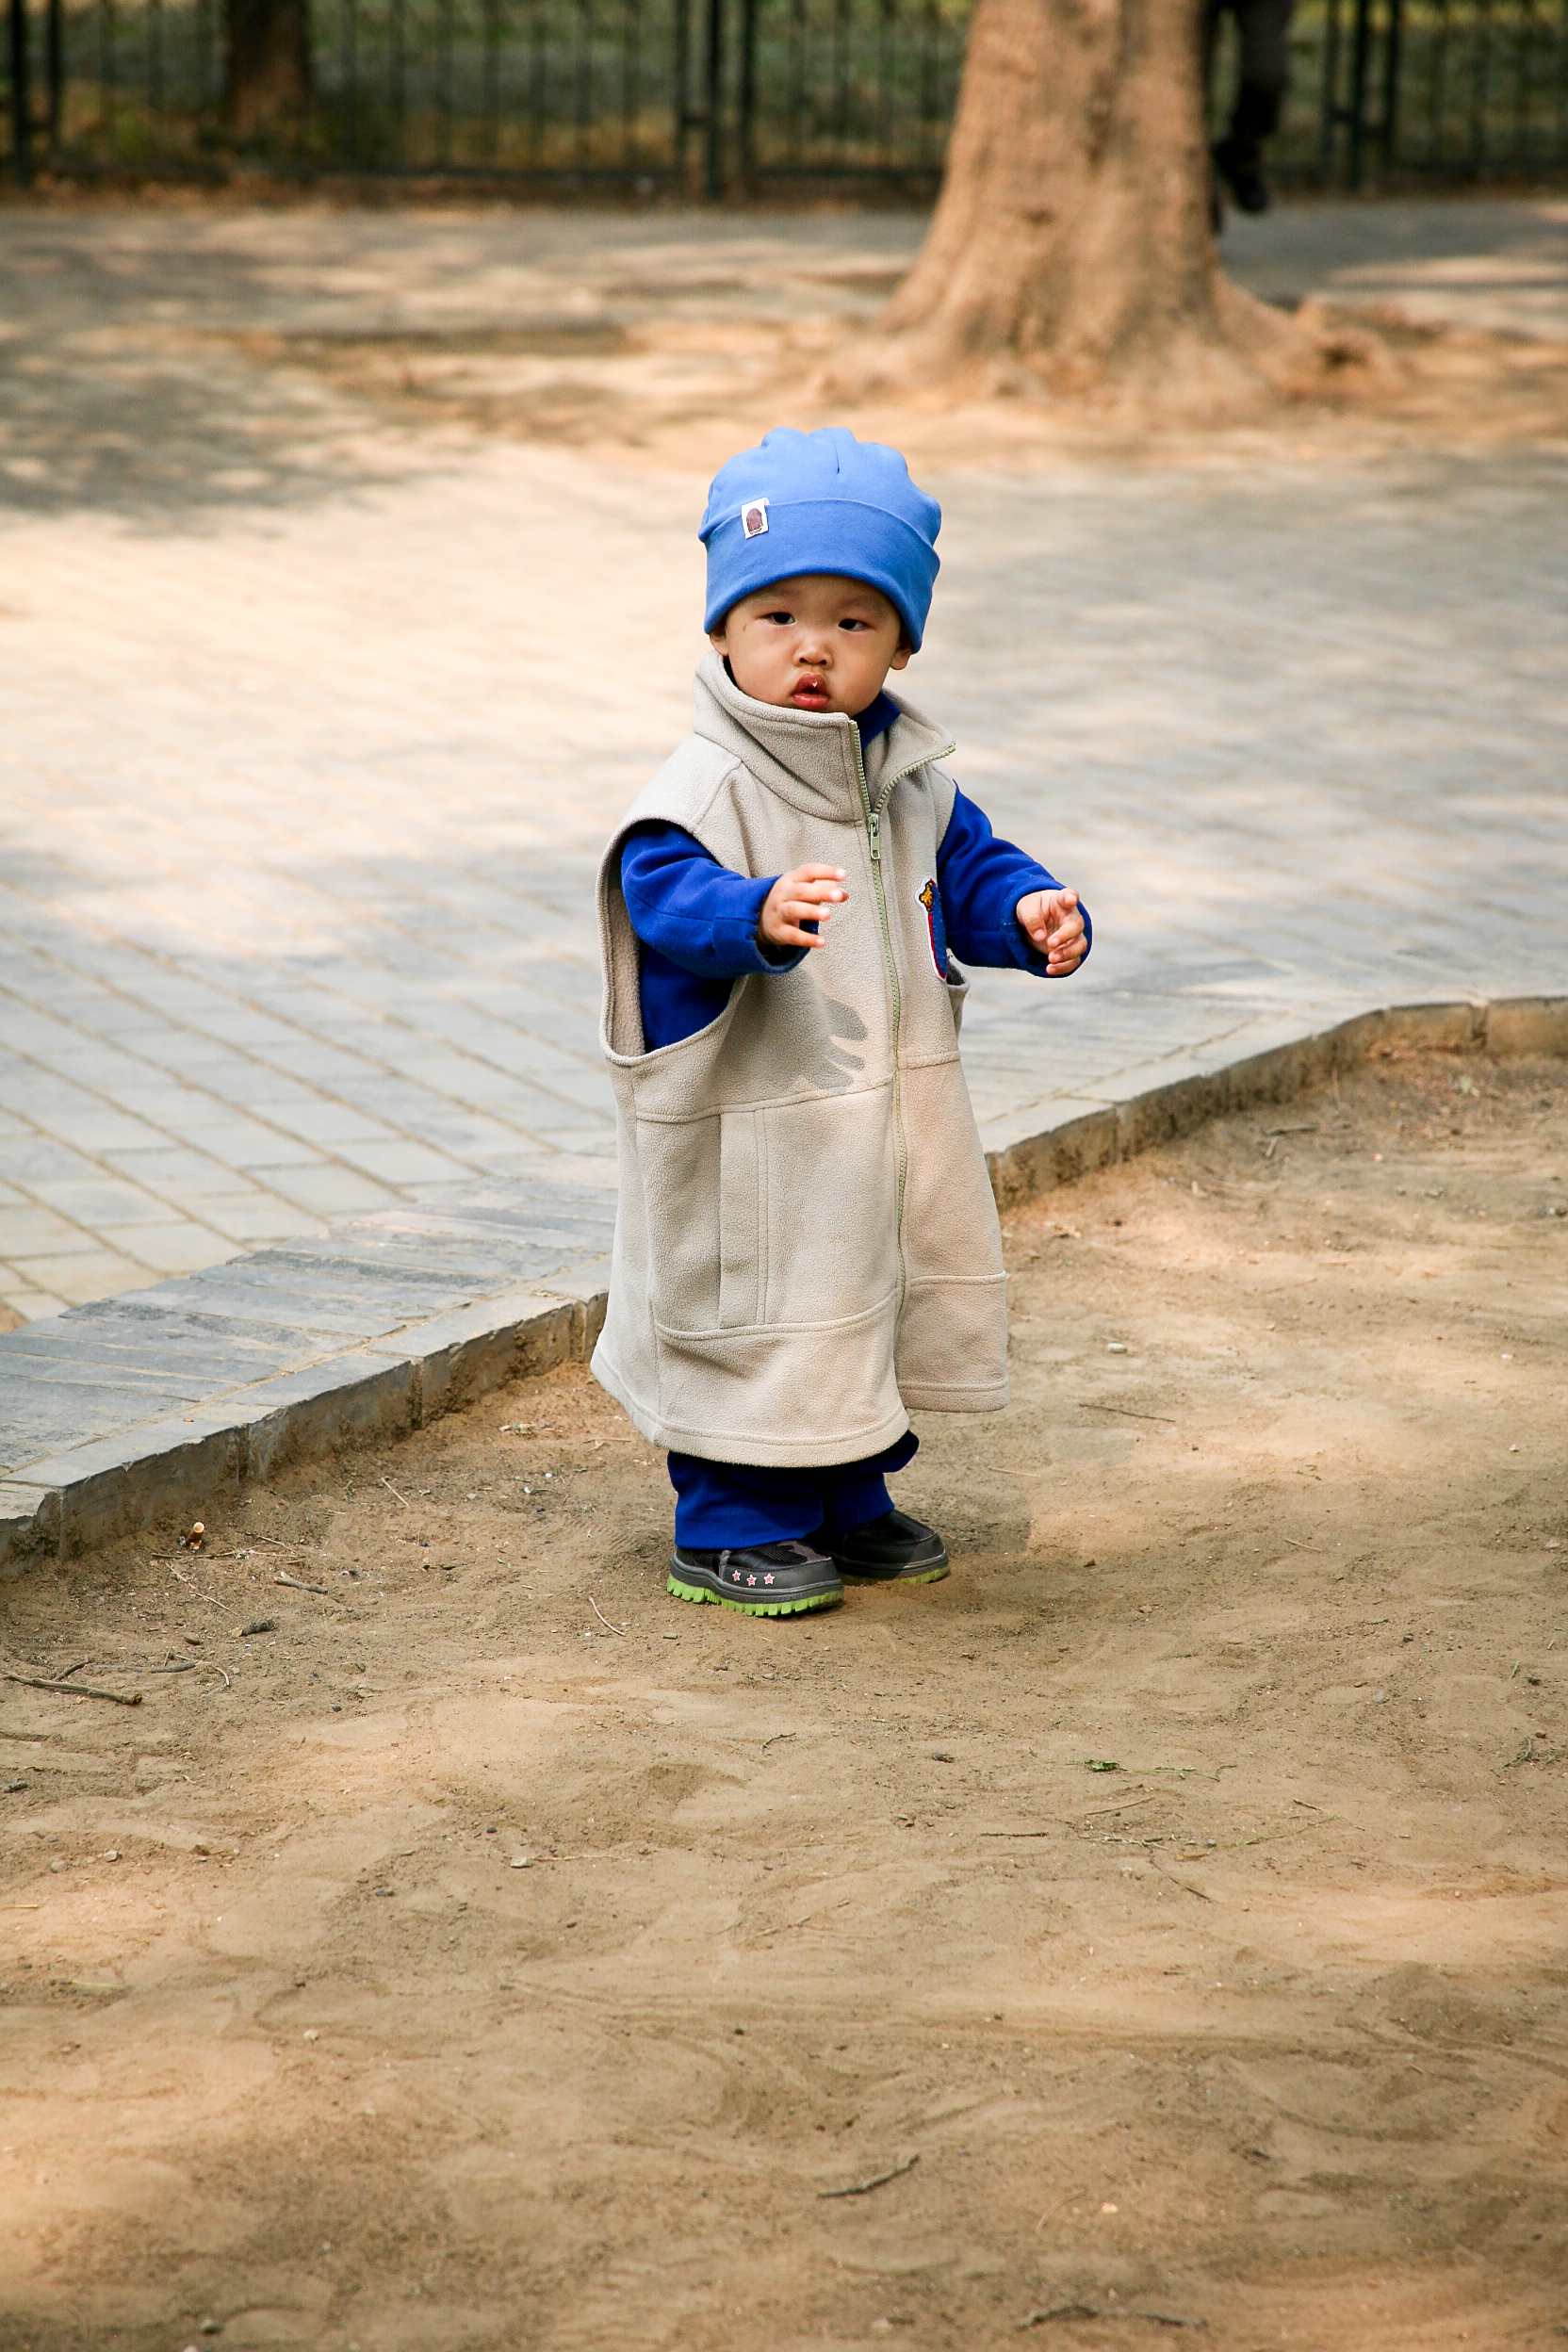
pixel 719 638
pixel 900 659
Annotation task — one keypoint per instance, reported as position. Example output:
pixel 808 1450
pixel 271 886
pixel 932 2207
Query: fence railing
pixel 717 96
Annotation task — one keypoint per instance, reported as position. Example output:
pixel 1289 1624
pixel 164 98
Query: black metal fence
pixel 717 96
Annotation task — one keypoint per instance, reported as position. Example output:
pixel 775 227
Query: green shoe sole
pixel 909 1575
pixel 681 1592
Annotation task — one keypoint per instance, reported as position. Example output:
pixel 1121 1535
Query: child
pixel 806 1241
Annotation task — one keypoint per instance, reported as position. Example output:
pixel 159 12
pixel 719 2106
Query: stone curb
pixel 1507 1029
pixel 172 1467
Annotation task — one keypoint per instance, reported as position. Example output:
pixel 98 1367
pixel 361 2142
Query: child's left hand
pixel 1055 929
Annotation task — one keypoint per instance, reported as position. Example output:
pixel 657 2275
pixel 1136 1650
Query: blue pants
pixel 724 1506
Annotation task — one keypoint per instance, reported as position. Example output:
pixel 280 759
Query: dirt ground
pixel 1157 1926
pixel 684 390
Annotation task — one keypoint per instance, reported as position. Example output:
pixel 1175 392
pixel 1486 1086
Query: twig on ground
pixel 392 1490
pixel 1051 2211
pixel 66 1672
pixel 1041 2317
pixel 181 1666
pixel 282 1577
pixel 776 1735
pixel 213 1667
pixel 1130 1806
pixel 602 1618
pixel 191 1584
pixel 1087 1404
pixel 74 1689
pixel 1186 1883
pixel 864 2188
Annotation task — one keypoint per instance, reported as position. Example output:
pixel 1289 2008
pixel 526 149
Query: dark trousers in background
pixel 1265 29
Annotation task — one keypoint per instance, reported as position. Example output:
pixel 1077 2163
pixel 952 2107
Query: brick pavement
pixel 313 727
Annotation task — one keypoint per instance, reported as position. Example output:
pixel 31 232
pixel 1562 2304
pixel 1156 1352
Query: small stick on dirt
pixel 1130 1806
pixel 74 1689
pixel 1040 2317
pixel 1186 1883
pixel 864 2188
pixel 191 1583
pixel 392 1490
pixel 181 1666
pixel 282 1577
pixel 67 1672
pixel 776 1735
pixel 214 1669
pixel 1087 1404
pixel 602 1618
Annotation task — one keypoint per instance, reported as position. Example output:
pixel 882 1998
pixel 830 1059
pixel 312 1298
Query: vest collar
pixel 810 759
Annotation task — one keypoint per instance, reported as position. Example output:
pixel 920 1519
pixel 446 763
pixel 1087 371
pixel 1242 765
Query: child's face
pixel 819 643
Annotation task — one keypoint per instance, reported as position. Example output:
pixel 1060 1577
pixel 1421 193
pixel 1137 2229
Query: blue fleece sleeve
pixel 981 880
pixel 692 911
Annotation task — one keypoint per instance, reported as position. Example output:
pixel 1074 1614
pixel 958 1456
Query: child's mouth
pixel 811 694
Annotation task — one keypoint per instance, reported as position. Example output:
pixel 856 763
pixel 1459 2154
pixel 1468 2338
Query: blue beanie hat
pixel 820 502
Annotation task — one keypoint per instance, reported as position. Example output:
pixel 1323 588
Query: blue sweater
pixel 698 921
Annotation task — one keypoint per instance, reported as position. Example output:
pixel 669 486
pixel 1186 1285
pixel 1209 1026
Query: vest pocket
pixel 742 1219
pixel 829 1188
pixel 681 1161
pixel 958 989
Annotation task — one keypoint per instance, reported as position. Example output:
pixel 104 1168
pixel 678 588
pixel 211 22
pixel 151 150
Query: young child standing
pixel 806 1242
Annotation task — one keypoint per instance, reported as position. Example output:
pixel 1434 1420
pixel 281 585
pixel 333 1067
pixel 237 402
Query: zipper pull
pixel 876 836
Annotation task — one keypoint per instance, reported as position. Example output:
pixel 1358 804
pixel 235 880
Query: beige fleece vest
pixel 806 1241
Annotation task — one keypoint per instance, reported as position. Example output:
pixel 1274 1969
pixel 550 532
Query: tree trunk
pixel 269 61
pixel 1070 249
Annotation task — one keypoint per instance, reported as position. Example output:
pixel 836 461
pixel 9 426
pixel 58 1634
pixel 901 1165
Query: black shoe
pixel 763 1580
pixel 1239 164
pixel 895 1549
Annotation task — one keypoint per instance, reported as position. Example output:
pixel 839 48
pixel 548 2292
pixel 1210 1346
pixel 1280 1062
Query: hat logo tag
pixel 754 517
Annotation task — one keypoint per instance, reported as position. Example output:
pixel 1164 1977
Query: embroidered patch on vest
pixel 931 899
pixel 754 517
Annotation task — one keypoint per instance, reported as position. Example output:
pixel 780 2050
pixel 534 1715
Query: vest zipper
pixel 873 834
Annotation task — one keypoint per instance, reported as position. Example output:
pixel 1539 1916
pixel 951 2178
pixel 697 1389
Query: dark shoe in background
pixel 895 1549
pixel 1240 165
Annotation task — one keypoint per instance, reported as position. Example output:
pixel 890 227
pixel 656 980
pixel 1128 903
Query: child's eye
pixel 784 620
pixel 854 624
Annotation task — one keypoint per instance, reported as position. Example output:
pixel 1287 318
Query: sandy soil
pixel 1159 1925
pixel 686 390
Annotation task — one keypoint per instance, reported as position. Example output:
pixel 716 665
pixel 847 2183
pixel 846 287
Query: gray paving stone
pixel 304 933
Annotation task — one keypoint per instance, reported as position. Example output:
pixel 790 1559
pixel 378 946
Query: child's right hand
pixel 807 895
